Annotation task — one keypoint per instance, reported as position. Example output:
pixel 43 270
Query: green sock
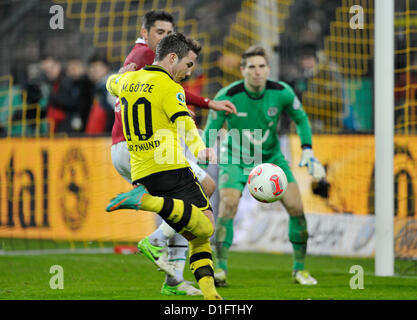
pixel 298 235
pixel 224 239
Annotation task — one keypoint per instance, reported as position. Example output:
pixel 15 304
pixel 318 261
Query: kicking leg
pixel 195 225
pixel 178 248
pixel 163 233
pixel 183 217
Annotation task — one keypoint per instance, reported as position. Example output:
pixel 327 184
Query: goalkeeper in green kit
pixel 252 139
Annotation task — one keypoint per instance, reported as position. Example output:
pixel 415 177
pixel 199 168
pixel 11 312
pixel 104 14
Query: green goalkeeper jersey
pixel 252 133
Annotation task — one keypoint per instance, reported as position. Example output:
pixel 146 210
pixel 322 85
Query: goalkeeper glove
pixel 314 166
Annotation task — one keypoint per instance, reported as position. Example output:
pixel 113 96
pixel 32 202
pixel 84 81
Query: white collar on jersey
pixel 140 40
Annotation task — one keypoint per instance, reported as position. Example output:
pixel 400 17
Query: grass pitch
pixel 252 276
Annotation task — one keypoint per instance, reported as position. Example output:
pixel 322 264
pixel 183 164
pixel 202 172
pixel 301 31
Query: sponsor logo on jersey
pixel 256 137
pixel 181 97
pixel 242 114
pixel 272 111
pixel 296 104
pixel 224 178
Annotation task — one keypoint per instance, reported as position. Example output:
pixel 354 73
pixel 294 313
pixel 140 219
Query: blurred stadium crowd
pixel 75 94
pixel 62 72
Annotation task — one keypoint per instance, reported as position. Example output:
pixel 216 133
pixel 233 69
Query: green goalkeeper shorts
pixel 235 176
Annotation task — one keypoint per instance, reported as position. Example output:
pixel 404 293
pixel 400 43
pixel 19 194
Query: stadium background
pixel 54 185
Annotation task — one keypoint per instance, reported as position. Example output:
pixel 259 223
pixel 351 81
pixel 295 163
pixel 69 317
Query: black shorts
pixel 179 184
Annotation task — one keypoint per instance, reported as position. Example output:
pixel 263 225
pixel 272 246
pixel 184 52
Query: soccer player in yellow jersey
pixel 155 118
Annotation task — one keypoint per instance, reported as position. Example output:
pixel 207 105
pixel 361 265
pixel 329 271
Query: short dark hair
pixel 307 50
pixel 151 16
pixel 177 43
pixel 252 52
pixel 50 57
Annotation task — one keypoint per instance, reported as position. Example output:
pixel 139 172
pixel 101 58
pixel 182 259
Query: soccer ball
pixel 267 182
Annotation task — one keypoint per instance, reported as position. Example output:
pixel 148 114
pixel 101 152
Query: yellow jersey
pixel 155 118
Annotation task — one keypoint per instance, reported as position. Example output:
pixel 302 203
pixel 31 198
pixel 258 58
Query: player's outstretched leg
pixel 177 255
pixel 185 219
pixel 181 216
pixel 298 236
pixel 128 200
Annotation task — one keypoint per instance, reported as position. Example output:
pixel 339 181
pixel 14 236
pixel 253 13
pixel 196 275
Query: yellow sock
pixel 199 224
pixel 208 288
pixel 179 215
pixel 201 264
pixel 151 203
